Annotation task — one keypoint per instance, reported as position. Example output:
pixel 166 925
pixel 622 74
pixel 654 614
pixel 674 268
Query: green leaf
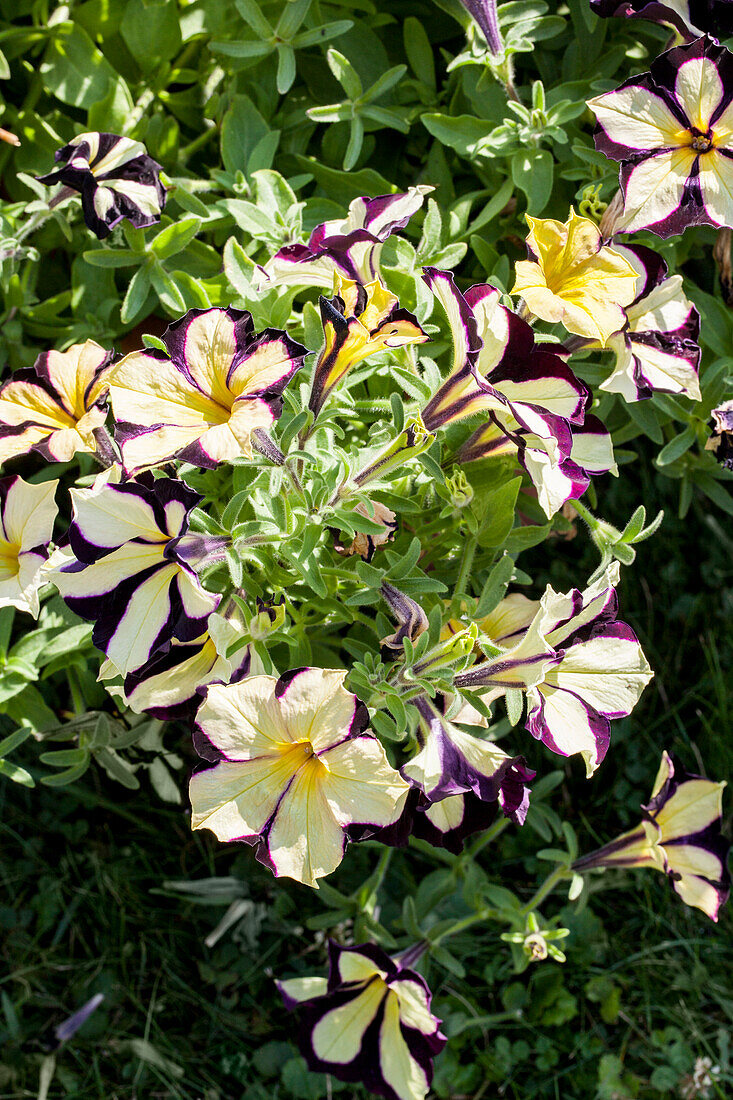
pixel 168 293
pixel 285 68
pixel 174 238
pixel 136 296
pixel 111 257
pixel 17 774
pixel 345 73
pixel 532 172
pixel 74 70
pixel 151 30
pixel 242 128
pixel 496 585
pixel 677 446
pixel 498 513
pixel 419 51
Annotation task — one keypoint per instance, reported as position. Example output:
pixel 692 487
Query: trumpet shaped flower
pixel 690 18
pixel 56 406
pixel 672 131
pixel 595 669
pixel 127 567
pixel 27 514
pixel 657 349
pixel 531 402
pixel 680 836
pixel 349 248
pixel 573 278
pixel 357 323
pixel 368 1022
pixel 201 401
pixel 115 177
pixel 170 685
pixel 294 770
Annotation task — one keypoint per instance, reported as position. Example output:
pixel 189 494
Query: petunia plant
pixel 300 456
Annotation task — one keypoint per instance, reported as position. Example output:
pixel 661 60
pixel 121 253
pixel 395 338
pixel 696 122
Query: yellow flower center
pixel 9 563
pixel 702 143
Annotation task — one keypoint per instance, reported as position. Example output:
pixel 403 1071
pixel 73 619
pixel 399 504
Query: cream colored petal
pixel 699 89
pixel 72 372
pixel 446 814
pixel 29 513
pixel 26 401
pixel 305 841
pixel 108 517
pixel 316 707
pixel 355 967
pixel 716 184
pixel 638 119
pixel 696 804
pixel 159 445
pixel 145 616
pixel 670 373
pixel 261 370
pixel 147 390
pixel 304 989
pixel 568 723
pixel 655 187
pixel 414 1008
pixel 243 720
pixel 666 771
pixel 237 799
pixel 665 308
pixel 360 785
pixel 608 673
pixel 13 445
pixel 512 616
pixel 338 1036
pixel 399 1069
pixel 699 894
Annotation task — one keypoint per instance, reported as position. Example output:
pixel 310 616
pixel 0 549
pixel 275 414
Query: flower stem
pixel 469 553
pixel 562 871
pixel 462 925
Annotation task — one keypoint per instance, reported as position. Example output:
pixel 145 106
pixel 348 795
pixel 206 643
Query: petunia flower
pixel 369 1022
pixel 201 402
pixel 357 323
pixel 348 247
pixel 573 278
pixel 411 619
pixel 679 835
pixel 294 770
pixel 56 406
pixel 657 349
pixel 690 18
pixel 170 685
pixel 720 441
pixel 452 762
pixel 486 16
pixel 598 671
pixel 115 177
pixel 126 567
pixel 672 131
pixel 27 514
pixel 531 402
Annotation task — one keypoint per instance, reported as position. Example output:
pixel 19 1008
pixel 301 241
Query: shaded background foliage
pixel 100 882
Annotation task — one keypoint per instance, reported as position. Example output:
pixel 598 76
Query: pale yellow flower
pixel 575 279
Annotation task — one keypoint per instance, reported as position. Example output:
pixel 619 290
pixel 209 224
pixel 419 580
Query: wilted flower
pixel 27 514
pixel 294 772
pixel 170 684
pixel 573 278
pixel 721 439
pixel 595 669
pixel 411 619
pixel 201 402
pixel 348 247
pixel 533 404
pixel 366 543
pixel 672 131
pixel 689 18
pixel 679 835
pixel 116 178
pixel 56 406
pixel 368 1022
pixel 657 349
pixel 126 567
pixel 358 322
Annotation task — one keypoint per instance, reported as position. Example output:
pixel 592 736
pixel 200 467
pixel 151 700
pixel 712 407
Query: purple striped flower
pixel 293 771
pixel 348 247
pixel 360 321
pixel 201 402
pixel 720 441
pixel 115 177
pixel 597 671
pixel 672 131
pixel 369 1022
pixel 170 685
pixel 27 515
pixel 56 406
pixel 657 349
pixel 679 835
pixel 126 567
pixel 451 762
pixel 531 402
pixel 690 18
